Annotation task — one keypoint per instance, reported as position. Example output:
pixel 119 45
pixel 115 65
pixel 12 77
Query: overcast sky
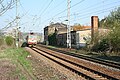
pixel 36 14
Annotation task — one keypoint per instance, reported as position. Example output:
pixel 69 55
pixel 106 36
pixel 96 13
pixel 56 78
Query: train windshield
pixel 32 36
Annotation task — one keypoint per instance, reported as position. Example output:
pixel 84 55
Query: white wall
pixel 82 37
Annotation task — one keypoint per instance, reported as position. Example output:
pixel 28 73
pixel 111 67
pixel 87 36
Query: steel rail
pixel 100 75
pixel 100 61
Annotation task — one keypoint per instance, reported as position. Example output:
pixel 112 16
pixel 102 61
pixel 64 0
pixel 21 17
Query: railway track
pixel 81 67
pixel 100 61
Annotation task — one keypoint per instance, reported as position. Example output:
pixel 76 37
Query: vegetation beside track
pixel 17 57
pixel 26 66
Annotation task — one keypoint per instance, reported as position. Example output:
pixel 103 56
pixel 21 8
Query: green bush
pixel 9 40
pixel 114 39
pixel 111 42
pixel 52 39
pixel 101 46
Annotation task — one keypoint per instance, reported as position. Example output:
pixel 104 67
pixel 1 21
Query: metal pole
pixel 17 23
pixel 68 26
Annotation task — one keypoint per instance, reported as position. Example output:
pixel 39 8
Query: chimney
pixel 94 26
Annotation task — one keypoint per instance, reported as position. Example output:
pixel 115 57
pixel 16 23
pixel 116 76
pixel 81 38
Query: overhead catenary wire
pixel 42 7
pixel 96 8
pixel 7 26
pixel 92 6
pixel 59 4
pixel 46 7
pixel 26 14
pixel 84 10
pixel 78 14
pixel 70 7
pixel 89 10
pixel 81 17
pixel 65 9
pixel 12 22
pixel 37 18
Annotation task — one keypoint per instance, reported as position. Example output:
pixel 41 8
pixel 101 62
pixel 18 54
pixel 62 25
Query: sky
pixel 37 14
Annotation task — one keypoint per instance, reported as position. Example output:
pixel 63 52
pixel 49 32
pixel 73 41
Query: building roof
pixel 78 28
pixel 57 25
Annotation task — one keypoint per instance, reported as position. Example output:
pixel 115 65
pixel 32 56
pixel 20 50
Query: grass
pixel 17 56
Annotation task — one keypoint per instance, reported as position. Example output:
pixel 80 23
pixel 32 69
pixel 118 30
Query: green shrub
pixel 111 42
pixel 9 40
pixel 114 39
pixel 101 46
pixel 52 39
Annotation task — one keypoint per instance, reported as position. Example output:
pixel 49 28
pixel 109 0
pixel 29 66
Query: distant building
pixel 80 35
pixel 52 28
pixel 61 36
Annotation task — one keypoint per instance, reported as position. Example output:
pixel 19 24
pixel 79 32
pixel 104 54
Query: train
pixel 31 39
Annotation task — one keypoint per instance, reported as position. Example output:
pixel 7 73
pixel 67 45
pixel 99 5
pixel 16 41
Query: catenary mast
pixel 68 26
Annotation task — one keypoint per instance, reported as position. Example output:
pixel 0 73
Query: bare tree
pixel 5 5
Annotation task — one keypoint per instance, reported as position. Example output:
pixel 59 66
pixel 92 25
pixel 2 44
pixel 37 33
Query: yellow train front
pixel 31 39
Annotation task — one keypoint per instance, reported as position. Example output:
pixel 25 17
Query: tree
pixel 52 39
pixel 114 39
pixel 5 5
pixel 112 22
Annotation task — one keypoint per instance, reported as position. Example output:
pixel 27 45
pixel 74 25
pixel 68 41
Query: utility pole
pixel 68 26
pixel 17 41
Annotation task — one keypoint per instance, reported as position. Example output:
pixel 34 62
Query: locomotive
pixel 31 39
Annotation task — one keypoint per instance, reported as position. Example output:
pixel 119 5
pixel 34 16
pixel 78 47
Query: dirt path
pixel 7 70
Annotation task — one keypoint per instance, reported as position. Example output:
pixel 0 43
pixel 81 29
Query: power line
pixel 90 9
pixel 46 7
pixel 86 9
pixel 42 7
pixel 98 12
pixel 93 5
pixel 66 9
pixel 7 26
pixel 59 4
pixel 96 7
pixel 44 11
pixel 22 6
pixel 70 7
